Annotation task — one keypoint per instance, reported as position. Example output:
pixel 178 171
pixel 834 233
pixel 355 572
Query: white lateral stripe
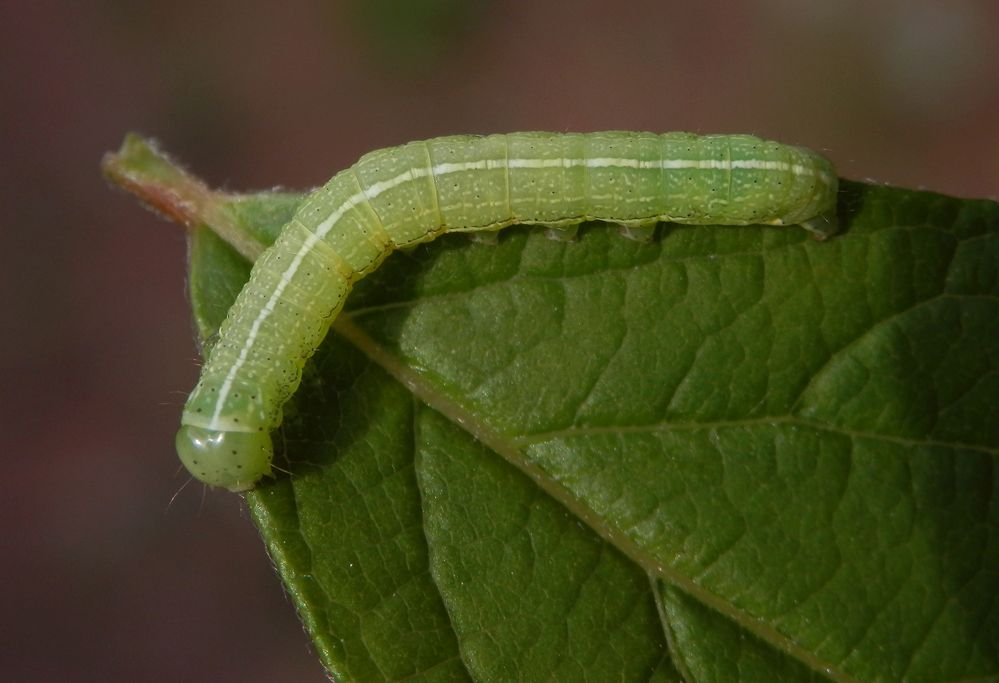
pixel 441 169
pixel 268 308
pixel 383 186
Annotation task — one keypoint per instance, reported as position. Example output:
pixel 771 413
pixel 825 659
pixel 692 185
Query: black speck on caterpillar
pixel 401 196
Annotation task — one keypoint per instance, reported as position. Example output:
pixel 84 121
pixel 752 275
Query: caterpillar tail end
pixel 231 460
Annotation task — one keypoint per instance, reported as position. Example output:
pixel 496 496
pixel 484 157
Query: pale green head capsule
pixel 224 439
pixel 232 460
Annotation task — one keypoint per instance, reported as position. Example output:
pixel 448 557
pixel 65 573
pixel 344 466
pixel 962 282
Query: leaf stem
pixel 163 186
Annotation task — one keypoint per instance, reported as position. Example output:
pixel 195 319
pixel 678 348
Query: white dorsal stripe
pixel 382 186
pixel 441 169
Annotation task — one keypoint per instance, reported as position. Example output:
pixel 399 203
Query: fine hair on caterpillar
pixel 402 196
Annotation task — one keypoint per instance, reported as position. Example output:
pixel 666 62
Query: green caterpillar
pixel 405 195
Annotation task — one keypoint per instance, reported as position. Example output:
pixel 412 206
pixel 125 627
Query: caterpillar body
pixel 406 195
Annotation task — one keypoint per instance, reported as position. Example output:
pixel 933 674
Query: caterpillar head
pixel 232 460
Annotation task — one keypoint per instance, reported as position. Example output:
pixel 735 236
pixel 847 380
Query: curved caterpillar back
pixel 405 195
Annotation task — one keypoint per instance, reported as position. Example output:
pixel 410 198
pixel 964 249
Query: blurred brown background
pixel 103 577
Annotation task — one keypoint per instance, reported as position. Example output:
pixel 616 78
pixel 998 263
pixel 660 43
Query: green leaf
pixel 731 454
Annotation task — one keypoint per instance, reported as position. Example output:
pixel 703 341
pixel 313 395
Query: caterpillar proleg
pixel 402 196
